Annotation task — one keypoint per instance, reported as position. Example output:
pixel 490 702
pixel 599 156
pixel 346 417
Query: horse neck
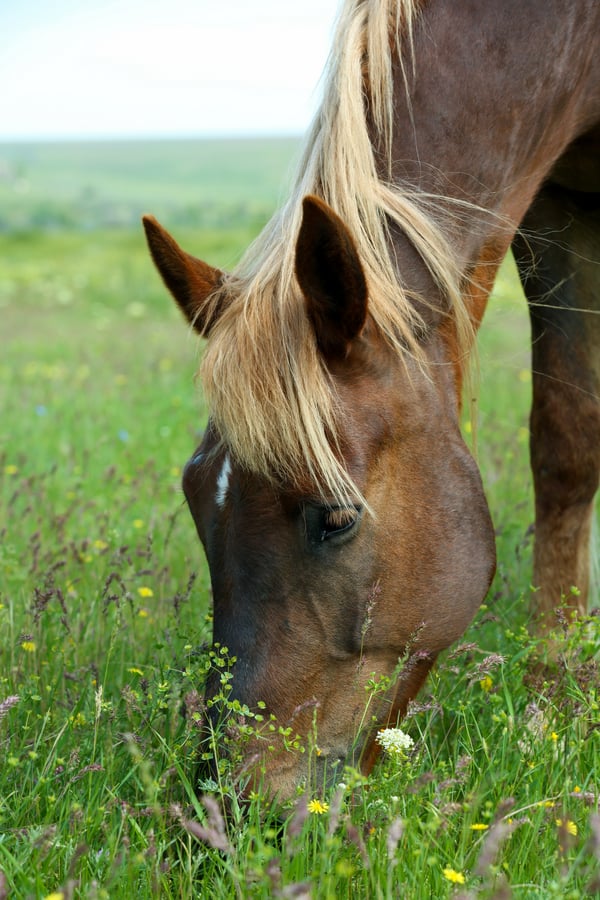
pixel 494 102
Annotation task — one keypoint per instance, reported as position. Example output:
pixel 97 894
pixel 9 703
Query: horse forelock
pixel 272 400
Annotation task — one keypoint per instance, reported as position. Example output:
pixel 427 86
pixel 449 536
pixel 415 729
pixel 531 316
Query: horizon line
pixel 149 137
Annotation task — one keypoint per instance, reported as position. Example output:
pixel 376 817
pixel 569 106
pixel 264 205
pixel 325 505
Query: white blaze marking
pixel 223 482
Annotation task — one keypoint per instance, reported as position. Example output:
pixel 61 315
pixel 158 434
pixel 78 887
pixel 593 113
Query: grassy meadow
pixel 105 613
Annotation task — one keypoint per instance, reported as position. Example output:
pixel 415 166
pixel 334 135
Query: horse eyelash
pixel 339 518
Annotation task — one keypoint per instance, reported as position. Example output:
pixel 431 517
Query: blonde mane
pixel 271 397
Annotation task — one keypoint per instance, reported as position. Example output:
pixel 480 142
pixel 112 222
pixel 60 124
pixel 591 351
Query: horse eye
pixel 337 521
pixel 329 523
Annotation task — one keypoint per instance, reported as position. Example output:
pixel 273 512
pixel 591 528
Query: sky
pixel 160 68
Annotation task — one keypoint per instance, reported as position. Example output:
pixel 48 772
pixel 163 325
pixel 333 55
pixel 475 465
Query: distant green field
pixel 105 603
pixel 106 184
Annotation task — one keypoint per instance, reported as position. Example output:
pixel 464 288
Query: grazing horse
pixel 342 515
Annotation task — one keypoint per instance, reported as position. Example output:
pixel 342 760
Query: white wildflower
pixel 394 740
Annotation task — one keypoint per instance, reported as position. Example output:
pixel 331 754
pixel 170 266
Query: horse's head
pixel 319 596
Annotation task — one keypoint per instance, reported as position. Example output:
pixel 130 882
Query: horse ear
pixel 190 280
pixel 331 278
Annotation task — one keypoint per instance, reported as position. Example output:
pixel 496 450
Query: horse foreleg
pixel 558 255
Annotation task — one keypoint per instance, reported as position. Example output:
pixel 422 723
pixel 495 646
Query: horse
pixel 342 515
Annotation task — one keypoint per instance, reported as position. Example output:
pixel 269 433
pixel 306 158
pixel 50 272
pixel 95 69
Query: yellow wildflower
pixel 56 895
pixel 138 523
pixel 145 592
pixel 486 684
pixel 317 807
pixel 11 469
pixel 571 827
pixel 28 646
pixel 454 876
pixel 479 826
pixel 554 737
pixel 135 671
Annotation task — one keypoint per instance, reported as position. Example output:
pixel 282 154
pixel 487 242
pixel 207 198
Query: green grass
pixel 104 610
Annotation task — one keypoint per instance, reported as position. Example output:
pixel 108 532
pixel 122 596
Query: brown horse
pixel 342 515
